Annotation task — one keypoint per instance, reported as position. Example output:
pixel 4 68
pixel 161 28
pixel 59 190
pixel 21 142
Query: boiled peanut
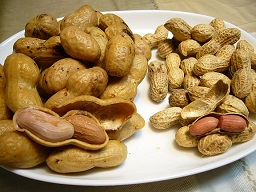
pixel 70 159
pixel 83 18
pixel 120 52
pixel 19 151
pixel 204 125
pixel 79 44
pixel 86 129
pixel 44 125
pixel 232 123
pixel 5 112
pixel 22 75
pixel 42 26
pixel 43 52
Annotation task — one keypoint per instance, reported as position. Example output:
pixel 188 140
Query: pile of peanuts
pixel 67 91
pixel 205 69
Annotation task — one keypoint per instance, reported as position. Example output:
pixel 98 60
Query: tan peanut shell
pixel 5 112
pixel 83 18
pixel 43 52
pixel 224 37
pixel 187 65
pixel 142 47
pixel 180 29
pixel 101 38
pixel 250 101
pixel 173 60
pixel 232 104
pixel 175 78
pixel 157 72
pixel 160 34
pixel 178 98
pixel 109 19
pixel 91 81
pixel 209 63
pixel 112 113
pixel 207 103
pixel 225 53
pixel 245 135
pixel 42 26
pixel 55 77
pixel 197 91
pixel 133 125
pixel 165 47
pixel 22 75
pixel 240 59
pixel 189 47
pixel 71 159
pixel 218 24
pixel 190 80
pixel 166 118
pixel 202 32
pixel 126 87
pixel 6 125
pixel 120 52
pixel 210 78
pixel 241 82
pixel 214 144
pixel 185 139
pixel 19 151
pixel 80 45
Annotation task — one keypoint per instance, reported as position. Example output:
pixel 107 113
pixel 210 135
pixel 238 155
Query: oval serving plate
pixel 153 154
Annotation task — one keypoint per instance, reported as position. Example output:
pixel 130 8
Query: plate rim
pixel 122 182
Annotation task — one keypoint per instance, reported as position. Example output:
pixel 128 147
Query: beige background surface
pixel 237 176
pixel 14 14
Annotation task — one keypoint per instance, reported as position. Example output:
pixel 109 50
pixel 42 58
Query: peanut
pixel 44 125
pixel 189 47
pixel 166 118
pixel 180 29
pixel 232 123
pixel 70 159
pixel 202 32
pixel 80 45
pixel 158 80
pixel 227 36
pixel 204 125
pixel 218 24
pixel 214 144
pixel 22 75
pixel 86 129
pixel 160 34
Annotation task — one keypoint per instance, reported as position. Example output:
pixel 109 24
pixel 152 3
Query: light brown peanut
pixel 157 72
pixel 189 47
pixel 202 32
pixel 180 29
pixel 166 118
pixel 86 129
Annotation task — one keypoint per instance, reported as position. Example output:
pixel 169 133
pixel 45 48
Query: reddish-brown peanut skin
pixel 203 126
pixel 232 123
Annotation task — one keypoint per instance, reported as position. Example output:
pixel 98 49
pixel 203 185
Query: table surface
pixel 237 176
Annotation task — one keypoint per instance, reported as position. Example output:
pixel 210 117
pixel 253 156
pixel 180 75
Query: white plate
pixel 153 155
